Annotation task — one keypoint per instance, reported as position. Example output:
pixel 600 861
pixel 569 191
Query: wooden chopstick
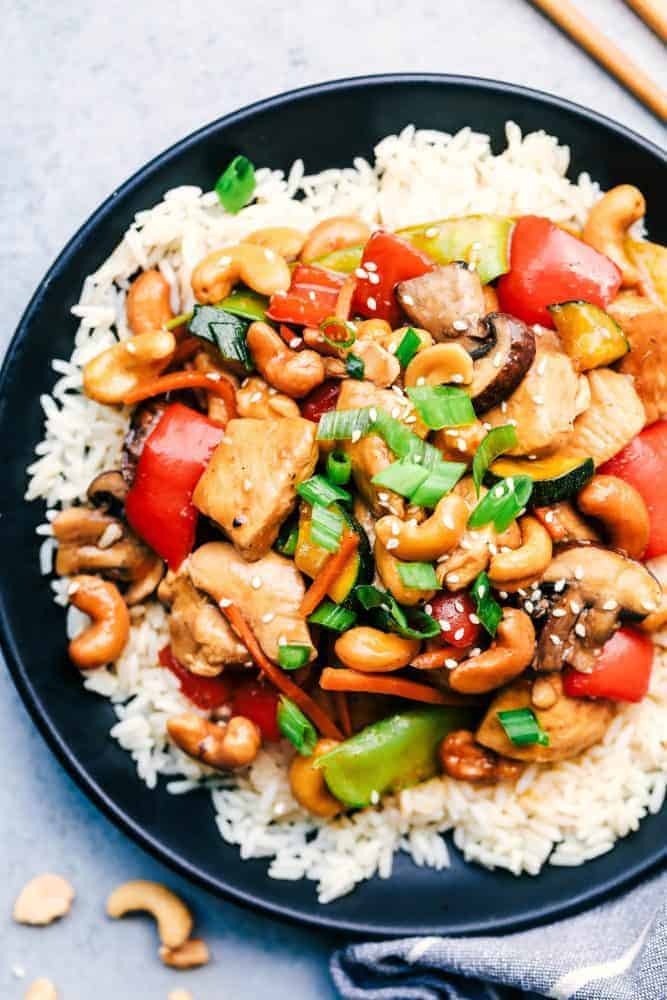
pixel 653 13
pixel 573 22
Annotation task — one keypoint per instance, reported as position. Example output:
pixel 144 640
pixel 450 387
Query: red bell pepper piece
pixel 643 464
pixel 321 400
pixel 391 260
pixel 204 692
pixel 622 671
pixel 456 627
pixel 548 265
pixel 311 297
pixel 159 504
pixel 259 703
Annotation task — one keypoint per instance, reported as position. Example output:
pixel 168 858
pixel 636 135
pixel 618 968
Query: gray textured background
pixel 90 92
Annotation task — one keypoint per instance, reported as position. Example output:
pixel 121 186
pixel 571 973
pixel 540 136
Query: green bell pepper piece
pixel 389 755
pixel 245 303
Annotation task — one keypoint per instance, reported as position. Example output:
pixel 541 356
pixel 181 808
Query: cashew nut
pixel 622 511
pixel 42 989
pixel 658 619
pixel 543 694
pixel 308 785
pixel 440 364
pixel 180 995
pixel 258 267
pixel 380 366
pixel 374 329
pixel 387 567
pixel 529 561
pixel 173 918
pixel 508 655
pixel 374 652
pixel 223 747
pixel 607 225
pixel 189 955
pixel 110 376
pixel 393 338
pixel 491 303
pixel 296 373
pixel 336 233
pixel 283 240
pixel 104 640
pixel 43 900
pixel 148 302
pixel 463 758
pixel 256 399
pixel 425 542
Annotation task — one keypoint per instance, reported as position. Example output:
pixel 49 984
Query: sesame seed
pixel 282 640
pixel 542 366
pixel 575 607
pixel 268 617
pixel 412 523
pixel 255 398
pixel 451 663
pixel 503 595
pixel 521 592
pixel 610 605
pixel 475 651
pixel 112 533
pixel 239 521
pixel 537 593
pixel 371 303
pixel 460 325
pixel 497 360
pixel 295 342
pixel 373 414
pixel 493 549
pixel 411 419
pixel 559 585
pixel 460 444
pixel 532 458
pixel 503 406
pixel 225 602
pixel 474 620
pixel 459 607
pixel 421 380
pixel 312 296
pixel 396 412
pixel 499 491
pixel 269 254
pixel 448 522
pixel 356 434
pixel 360 273
pixel 549 516
pixel 395 528
pixel 214 376
pixel 383 497
pixel 375 797
pixel 538 400
pixel 256 582
pixel 457 377
pixel 559 612
pixel 431 232
pixel 579 572
pixel 374 279
pixel 452 578
pixel 580 630
pixel 472 267
pixel 392 543
pixel 649 605
pixel 408 300
pixel 131 348
pixel 428 608
pixel 557 641
pixel 371 266
pixel 481 590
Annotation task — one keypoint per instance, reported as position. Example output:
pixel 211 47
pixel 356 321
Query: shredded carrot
pixel 185 350
pixel 344 300
pixel 340 679
pixel 343 712
pixel 332 569
pixel 277 676
pixel 435 658
pixel 220 386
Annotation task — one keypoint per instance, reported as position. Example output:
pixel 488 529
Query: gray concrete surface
pixel 90 92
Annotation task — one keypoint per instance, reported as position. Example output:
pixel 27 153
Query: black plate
pixel 329 124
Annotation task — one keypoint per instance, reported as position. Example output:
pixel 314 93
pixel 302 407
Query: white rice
pixel 564 814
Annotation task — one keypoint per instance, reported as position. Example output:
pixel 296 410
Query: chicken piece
pixel 565 524
pixel 545 405
pixel 442 297
pixel 615 415
pixel 257 399
pixel 459 444
pixel 268 592
pixel 370 454
pixel 645 325
pixel 206 362
pixel 200 637
pixel 249 485
pixel 572 724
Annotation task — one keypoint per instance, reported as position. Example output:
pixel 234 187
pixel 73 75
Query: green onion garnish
pixel 344 425
pixel 318 490
pixel 408 347
pixel 245 303
pixel 503 503
pixel 287 538
pixel 343 332
pixel 294 725
pixel 387 613
pixel 441 479
pixel 236 186
pixel 227 332
pixel 402 477
pixel 182 320
pixel 419 575
pixel 292 656
pixel 442 405
pixel 523 727
pixel 489 611
pixel 339 468
pixel 355 366
pixel 497 441
pixel 333 616
pixel 326 528
pixel 403 442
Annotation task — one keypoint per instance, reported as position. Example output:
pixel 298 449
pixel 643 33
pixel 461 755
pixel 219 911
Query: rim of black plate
pixel 67 758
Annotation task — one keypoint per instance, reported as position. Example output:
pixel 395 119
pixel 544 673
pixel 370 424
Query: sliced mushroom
pixel 144 420
pixel 572 724
pixel 448 302
pixel 108 490
pixel 498 373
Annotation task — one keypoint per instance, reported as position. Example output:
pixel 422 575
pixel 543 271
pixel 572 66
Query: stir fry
pixel 399 492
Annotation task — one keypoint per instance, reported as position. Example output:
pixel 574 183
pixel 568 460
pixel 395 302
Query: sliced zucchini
pixel 309 558
pixel 554 478
pixel 589 335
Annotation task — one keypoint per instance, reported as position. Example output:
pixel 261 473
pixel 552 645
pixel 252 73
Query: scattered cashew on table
pixel 173 918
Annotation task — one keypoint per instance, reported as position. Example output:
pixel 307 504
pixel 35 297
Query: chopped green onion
pixel 326 528
pixel 246 303
pixel 344 425
pixel 333 616
pixel 522 727
pixel 339 468
pixel 503 503
pixel 402 477
pixel 442 405
pixel 318 490
pixel 419 575
pixel 497 441
pixel 177 321
pixel 227 332
pixel 489 611
pixel 287 538
pixel 441 479
pixel 403 442
pixel 388 614
pixel 294 725
pixel 236 186
pixel 408 347
pixel 349 331
pixel 292 656
pixel 355 366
